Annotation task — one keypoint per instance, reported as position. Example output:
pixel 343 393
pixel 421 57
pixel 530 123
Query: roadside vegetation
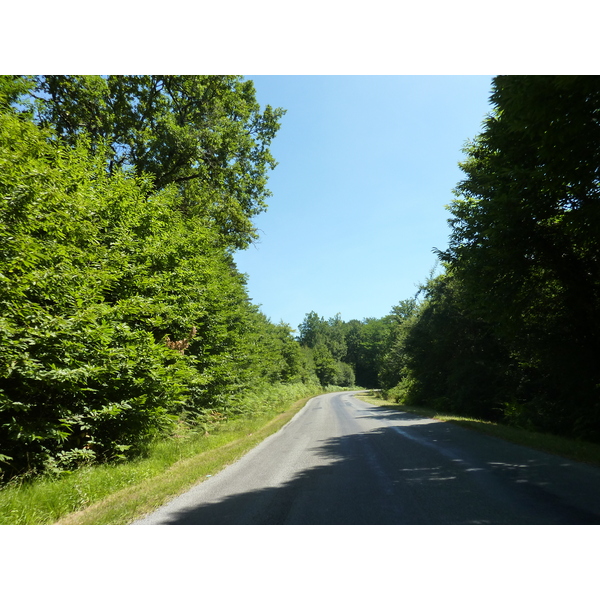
pixel 573 449
pixel 123 317
pixel 120 492
pixel 132 360
pixel 508 330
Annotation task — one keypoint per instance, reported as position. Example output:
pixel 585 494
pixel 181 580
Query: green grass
pixel 120 493
pixel 566 447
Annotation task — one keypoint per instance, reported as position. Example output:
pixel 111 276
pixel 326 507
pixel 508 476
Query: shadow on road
pixel 416 471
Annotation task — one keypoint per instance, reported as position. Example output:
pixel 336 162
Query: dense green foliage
pixel 451 360
pixel 345 353
pixel 511 330
pixel 121 308
pixel 120 491
pixel 325 347
pixel 204 134
pixel 122 312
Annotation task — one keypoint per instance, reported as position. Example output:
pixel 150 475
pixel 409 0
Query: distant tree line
pixel 355 352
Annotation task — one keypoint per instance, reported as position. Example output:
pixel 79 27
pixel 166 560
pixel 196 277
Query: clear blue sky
pixel 366 167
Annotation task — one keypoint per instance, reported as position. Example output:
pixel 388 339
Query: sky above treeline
pixel 366 167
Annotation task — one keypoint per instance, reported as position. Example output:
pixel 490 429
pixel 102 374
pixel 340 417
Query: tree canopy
pixel 511 330
pixel 206 135
pixel 525 240
pixel 121 309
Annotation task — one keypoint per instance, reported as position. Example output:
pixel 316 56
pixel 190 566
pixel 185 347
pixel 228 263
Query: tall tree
pixel 452 360
pixel 313 330
pixel 206 135
pixel 525 241
pixel 392 354
pixel 373 342
pixel 85 300
pixel 336 337
pixel 325 365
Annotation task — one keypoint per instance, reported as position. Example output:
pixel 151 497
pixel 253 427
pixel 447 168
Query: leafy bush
pixel 119 310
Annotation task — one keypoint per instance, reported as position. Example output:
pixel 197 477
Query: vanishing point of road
pixel 343 461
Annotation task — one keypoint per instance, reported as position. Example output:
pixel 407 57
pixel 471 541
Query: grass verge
pixel 121 493
pixel 568 448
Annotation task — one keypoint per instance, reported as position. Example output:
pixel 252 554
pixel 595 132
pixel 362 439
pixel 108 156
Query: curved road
pixel 343 461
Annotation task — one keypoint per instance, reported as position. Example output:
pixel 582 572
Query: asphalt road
pixel 343 461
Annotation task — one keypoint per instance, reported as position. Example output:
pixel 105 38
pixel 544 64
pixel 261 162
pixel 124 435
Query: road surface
pixel 343 461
